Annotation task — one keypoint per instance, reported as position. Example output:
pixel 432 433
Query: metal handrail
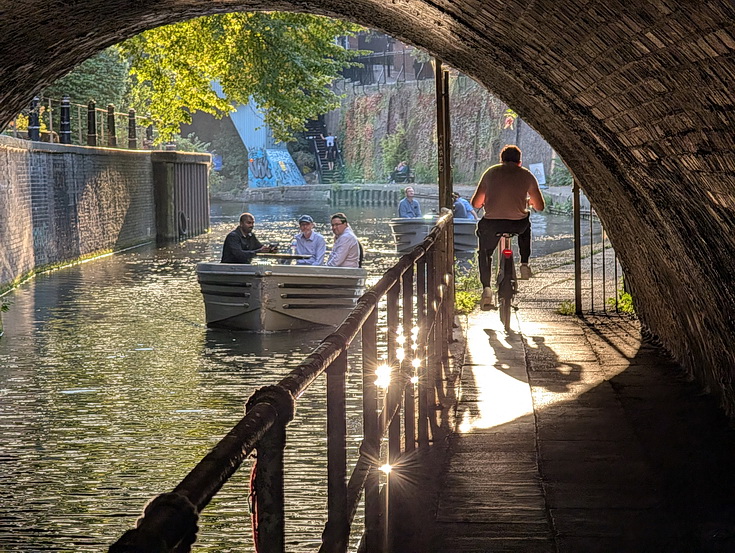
pixel 425 275
pixel 317 159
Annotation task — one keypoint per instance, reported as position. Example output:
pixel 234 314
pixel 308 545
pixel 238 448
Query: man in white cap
pixel 309 242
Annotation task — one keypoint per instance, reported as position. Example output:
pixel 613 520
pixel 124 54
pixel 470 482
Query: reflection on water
pixel 112 389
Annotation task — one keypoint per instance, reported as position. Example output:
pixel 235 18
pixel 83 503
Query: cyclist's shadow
pixel 510 356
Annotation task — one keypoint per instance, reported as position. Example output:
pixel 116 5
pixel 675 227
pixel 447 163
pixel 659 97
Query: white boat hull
pixel 270 298
pixel 410 232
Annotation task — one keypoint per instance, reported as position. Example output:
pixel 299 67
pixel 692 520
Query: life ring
pixel 183 223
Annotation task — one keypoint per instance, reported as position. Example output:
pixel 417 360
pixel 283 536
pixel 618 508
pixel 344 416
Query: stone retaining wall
pixel 62 203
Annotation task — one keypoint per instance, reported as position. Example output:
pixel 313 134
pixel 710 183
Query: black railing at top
pixel 54 120
pixel 418 294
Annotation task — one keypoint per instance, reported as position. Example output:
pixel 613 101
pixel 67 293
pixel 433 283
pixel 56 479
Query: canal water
pixel 112 389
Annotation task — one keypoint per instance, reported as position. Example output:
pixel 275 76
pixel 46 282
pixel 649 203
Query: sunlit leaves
pixel 284 61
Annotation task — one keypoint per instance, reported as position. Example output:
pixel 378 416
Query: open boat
pixel 268 298
pixel 410 232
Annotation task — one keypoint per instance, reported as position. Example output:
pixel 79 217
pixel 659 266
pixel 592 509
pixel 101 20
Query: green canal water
pixel 112 389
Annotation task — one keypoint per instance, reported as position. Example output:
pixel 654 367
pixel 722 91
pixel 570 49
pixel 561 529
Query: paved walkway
pixel 576 436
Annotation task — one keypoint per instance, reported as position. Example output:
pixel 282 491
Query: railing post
pixel 409 402
pixel 577 250
pixel 394 430
pixel 371 445
pixel 91 124
pixel 132 134
pixel 422 351
pixel 111 132
pixel 34 121
pixel 268 485
pixel 433 364
pixel 65 123
pixel 148 137
pixel 337 528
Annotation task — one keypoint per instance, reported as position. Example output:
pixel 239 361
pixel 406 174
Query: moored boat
pixel 268 298
pixel 410 232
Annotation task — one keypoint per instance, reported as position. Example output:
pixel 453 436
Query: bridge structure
pixel 637 99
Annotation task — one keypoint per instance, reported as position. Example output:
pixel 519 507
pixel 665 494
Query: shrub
pixel 561 176
pixel 566 307
pixel 467 288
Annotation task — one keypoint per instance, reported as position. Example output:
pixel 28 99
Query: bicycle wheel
pixel 504 309
pixel 506 291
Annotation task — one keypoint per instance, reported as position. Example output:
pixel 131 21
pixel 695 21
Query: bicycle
pixel 507 281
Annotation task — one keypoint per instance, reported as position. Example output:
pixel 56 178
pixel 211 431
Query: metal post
pixel 149 136
pixel 132 135
pixel 445 199
pixel 592 265
pixel 409 401
pixel 373 535
pixel 65 124
pixel 604 287
pixel 91 124
pixel 440 135
pixel 394 429
pixel 50 120
pixel 615 268
pixel 433 337
pixel 337 524
pixel 111 132
pixel 577 250
pixel 423 429
pixel 269 491
pixel 34 122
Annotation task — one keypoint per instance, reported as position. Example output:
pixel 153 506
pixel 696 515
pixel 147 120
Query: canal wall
pixel 60 203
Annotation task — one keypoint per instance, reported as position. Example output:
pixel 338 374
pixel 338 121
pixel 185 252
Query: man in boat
pixel 505 191
pixel 462 207
pixel 347 251
pixel 309 242
pixel 408 207
pixel 241 245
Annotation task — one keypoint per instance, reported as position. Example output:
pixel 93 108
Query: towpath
pixel 576 435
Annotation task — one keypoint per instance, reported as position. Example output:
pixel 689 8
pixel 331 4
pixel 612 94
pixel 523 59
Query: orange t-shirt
pixel 507 188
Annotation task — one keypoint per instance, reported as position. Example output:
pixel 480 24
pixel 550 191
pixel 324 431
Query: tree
pixel 103 78
pixel 284 61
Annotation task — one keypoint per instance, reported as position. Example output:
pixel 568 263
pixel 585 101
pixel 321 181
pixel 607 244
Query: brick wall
pixel 61 203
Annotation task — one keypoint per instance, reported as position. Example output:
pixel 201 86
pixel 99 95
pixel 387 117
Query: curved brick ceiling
pixel 637 97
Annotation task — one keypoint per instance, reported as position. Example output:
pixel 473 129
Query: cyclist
pixel 505 191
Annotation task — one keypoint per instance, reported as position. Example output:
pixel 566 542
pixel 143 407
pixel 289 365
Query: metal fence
pixel 64 122
pixel 415 298
pixel 599 282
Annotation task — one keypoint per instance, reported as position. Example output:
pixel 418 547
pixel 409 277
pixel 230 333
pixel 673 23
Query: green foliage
pixel 566 307
pixel 395 149
pixel 283 61
pixel 4 305
pixel 465 302
pixel 302 153
pixel 353 173
pixel 467 288
pixel 191 143
pixel 561 176
pixel 624 302
pixel 102 78
pixel 426 173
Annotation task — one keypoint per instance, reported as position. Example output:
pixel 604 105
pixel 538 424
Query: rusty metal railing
pixel 418 297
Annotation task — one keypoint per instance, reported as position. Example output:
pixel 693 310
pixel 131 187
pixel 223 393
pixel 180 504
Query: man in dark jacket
pixel 241 244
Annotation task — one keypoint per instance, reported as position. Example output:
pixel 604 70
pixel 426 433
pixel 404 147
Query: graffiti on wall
pixel 273 167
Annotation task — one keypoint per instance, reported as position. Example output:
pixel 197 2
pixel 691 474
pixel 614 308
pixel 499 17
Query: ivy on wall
pixel 381 127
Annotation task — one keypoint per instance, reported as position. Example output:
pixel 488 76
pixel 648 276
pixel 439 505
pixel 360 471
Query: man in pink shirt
pixel 505 191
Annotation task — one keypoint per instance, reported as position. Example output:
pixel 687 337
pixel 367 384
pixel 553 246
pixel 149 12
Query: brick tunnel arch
pixel 638 99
